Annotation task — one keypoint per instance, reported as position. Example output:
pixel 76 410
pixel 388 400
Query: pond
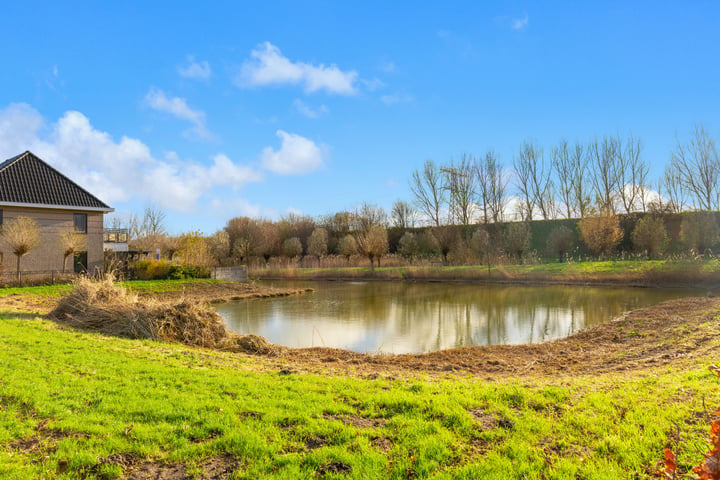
pixel 399 317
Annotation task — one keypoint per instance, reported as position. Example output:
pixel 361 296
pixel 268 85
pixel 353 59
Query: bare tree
pixel 134 227
pixel 581 184
pixel 292 247
pixel 603 156
pixel 169 246
pixel 673 183
pixel 491 188
pixel 219 245
pixel 153 223
pixel 71 242
pixel 460 183
pixel 534 181
pixel 444 238
pixel 373 243
pixel 632 174
pixel 269 240
pixel 21 235
pixel 427 188
pixel 563 165
pixel 698 166
pixel 403 214
pixel 295 225
pixel 318 243
pixel 368 215
pixel 517 239
pixel 408 246
pixel 244 237
pixel 347 247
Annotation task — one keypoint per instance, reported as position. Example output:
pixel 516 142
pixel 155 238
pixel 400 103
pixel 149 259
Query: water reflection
pixel 397 317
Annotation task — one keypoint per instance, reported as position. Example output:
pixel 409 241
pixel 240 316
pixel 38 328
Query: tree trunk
pixel 18 270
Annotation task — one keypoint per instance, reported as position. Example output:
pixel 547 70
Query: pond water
pixel 398 317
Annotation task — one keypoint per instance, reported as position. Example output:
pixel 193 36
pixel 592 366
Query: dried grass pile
pixel 105 307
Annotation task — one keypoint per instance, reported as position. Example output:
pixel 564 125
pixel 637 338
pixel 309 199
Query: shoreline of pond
pixel 648 278
pixel 674 331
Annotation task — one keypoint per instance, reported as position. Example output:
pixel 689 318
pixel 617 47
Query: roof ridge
pixel 28 152
pixel 35 181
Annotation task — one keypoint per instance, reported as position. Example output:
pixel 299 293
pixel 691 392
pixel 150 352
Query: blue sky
pixel 210 110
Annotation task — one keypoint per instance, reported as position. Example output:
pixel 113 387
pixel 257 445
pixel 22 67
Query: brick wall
pixel 232 274
pixel 49 256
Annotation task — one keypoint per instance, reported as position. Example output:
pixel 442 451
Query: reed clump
pixel 105 307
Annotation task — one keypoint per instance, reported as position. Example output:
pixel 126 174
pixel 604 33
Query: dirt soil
pixel 223 292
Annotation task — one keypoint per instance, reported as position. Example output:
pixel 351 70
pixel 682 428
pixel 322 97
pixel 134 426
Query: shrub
pixel 650 236
pixel 160 270
pixel 601 233
pixel 517 239
pixel 560 241
pixel 699 230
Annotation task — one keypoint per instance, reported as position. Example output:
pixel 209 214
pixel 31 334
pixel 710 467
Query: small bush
pixel 160 270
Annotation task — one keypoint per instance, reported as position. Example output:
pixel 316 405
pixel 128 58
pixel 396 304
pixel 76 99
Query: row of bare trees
pixel 603 175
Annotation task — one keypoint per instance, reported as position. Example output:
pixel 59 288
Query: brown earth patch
pixel 40 304
pixel 222 292
pixel 334 468
pixel 358 422
pixel 157 471
pixel 382 443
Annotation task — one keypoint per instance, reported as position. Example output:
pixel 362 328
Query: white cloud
pixel 178 107
pixel 269 66
pixel 297 155
pixel 308 111
pixel 195 70
pixel 116 171
pixel 520 23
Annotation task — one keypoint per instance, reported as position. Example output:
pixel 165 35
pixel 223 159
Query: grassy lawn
pixel 140 286
pixel 79 405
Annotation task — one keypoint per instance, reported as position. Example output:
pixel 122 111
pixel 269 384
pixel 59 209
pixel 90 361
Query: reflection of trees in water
pixel 427 317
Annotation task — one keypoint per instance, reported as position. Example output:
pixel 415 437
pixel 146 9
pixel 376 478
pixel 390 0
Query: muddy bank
pixel 671 332
pixel 221 292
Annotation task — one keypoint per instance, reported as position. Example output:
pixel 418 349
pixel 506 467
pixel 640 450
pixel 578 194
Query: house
pixel 30 187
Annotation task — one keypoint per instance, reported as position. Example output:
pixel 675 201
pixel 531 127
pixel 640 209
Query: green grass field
pixel 140 286
pixel 79 405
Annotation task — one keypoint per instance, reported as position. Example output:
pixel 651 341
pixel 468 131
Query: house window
pixel 80 222
pixel 80 262
pixel 1 217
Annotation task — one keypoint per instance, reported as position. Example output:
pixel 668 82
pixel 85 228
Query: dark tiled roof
pixel 27 179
